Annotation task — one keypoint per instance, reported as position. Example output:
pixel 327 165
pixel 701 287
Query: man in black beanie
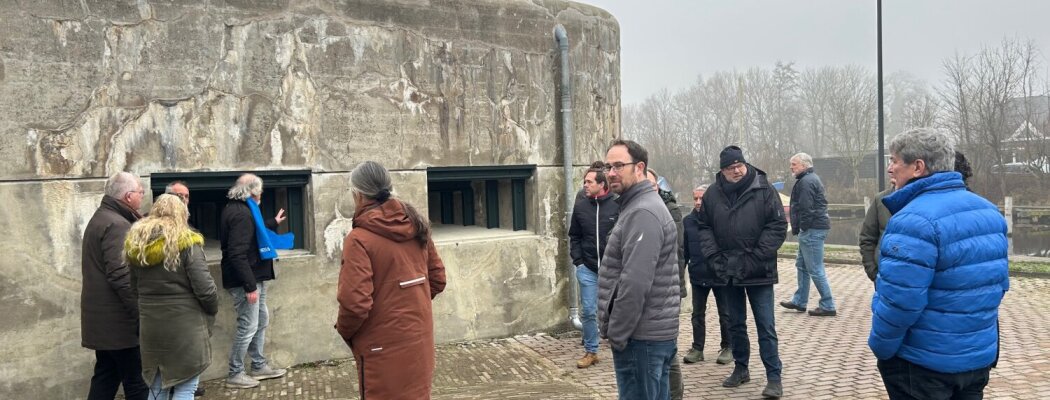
pixel 740 227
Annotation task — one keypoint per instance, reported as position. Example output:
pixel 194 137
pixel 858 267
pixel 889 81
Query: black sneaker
pixel 739 377
pixel 820 312
pixel 773 390
pixel 792 306
pixel 199 392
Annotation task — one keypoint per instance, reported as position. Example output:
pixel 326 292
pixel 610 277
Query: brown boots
pixel 587 360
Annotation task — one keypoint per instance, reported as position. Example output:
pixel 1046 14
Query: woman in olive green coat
pixel 177 299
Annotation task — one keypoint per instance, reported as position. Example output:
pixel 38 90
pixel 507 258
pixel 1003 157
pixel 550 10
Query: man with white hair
pixel 109 317
pixel 942 275
pixel 810 222
pixel 245 272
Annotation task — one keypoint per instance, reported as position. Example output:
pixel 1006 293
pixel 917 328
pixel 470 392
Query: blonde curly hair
pixel 167 221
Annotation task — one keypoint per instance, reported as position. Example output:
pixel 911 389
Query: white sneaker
pixel 241 381
pixel 268 373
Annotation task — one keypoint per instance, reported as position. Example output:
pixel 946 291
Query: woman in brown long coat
pixel 390 273
pixel 177 299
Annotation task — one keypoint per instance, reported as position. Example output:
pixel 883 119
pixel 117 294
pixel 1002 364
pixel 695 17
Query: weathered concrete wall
pixel 89 88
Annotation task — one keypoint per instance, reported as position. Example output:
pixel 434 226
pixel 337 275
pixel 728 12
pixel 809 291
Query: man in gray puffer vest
pixel 638 288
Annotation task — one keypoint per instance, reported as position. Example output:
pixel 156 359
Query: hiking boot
pixel 693 356
pixel 266 372
pixel 739 377
pixel 725 356
pixel 792 306
pixel 587 360
pixel 820 312
pixel 241 381
pixel 773 390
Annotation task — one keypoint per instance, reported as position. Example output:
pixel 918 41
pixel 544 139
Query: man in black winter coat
pixel 593 216
pixel 740 227
pixel 810 222
pixel 244 276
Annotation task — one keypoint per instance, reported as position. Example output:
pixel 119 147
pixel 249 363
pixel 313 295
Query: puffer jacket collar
pixel 634 191
pixel 940 181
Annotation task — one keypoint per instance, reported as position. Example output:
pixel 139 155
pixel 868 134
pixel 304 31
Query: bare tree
pixel 978 94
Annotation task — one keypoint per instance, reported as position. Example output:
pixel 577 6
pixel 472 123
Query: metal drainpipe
pixel 567 156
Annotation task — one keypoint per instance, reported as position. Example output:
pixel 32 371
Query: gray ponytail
pixel 372 181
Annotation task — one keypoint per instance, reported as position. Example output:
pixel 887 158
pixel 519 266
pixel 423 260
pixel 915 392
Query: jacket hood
pixel 761 180
pixel 940 181
pixel 388 220
pixel 155 249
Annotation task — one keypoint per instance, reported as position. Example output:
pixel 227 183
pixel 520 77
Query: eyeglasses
pixel 617 166
pixel 734 167
pixel 184 196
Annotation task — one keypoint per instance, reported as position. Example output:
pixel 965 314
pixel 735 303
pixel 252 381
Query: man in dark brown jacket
pixel 109 316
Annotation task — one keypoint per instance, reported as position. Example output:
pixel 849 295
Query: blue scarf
pixel 269 241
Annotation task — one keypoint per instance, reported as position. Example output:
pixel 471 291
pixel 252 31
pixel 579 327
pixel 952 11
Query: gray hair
pixel 701 188
pixel 371 180
pixel 805 159
pixel 120 184
pixel 170 189
pixel 248 185
pixel 932 146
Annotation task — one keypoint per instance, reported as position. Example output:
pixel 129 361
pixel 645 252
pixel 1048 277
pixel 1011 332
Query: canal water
pixel 1025 241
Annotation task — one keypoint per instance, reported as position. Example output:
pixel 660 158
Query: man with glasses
pixel 180 189
pixel 740 227
pixel 638 298
pixel 109 318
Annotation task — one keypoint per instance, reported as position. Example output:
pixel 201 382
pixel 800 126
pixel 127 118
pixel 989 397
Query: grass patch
pixel 853 257
pixel 1030 267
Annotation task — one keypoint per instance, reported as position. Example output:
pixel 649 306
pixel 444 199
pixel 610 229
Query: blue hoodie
pixel 942 275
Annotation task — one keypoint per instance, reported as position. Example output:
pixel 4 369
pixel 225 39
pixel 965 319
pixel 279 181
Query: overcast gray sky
pixel 667 44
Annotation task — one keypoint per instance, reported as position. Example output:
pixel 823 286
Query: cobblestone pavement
pixel 501 369
pixel 828 357
pixel 823 357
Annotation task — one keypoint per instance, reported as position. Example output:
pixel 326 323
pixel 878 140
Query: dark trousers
pixel 116 367
pixel 699 313
pixel 761 299
pixel 906 380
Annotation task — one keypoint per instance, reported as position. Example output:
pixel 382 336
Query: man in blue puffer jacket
pixel 942 274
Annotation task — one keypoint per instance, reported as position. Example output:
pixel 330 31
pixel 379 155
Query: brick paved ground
pixel 824 358
pixel 501 369
pixel 829 357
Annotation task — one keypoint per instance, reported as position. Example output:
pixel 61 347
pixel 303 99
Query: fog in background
pixel 780 77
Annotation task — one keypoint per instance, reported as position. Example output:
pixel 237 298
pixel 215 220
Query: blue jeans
pixel 182 391
pixel 761 299
pixel 810 265
pixel 252 320
pixel 643 368
pixel 588 307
